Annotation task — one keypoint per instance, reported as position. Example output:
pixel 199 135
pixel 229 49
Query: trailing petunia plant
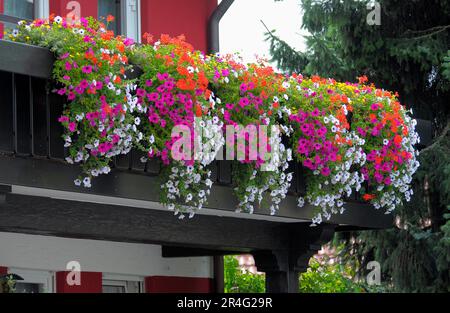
pixel 188 109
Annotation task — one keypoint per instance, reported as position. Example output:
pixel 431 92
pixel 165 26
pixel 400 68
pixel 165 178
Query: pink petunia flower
pixel 87 69
pixel 72 126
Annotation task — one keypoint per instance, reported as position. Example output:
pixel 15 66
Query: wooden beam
pixel 183 252
pixel 45 216
pixel 56 175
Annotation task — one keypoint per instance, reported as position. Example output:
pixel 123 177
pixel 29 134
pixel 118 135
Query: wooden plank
pixel 25 59
pixel 153 166
pixel 183 252
pixel 300 179
pixel 56 175
pixel 214 168
pixel 56 130
pixel 122 162
pixel 39 131
pixel 22 99
pixel 136 163
pixel 46 216
pixel 225 172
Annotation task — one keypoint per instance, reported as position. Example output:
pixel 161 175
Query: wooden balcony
pixel 37 194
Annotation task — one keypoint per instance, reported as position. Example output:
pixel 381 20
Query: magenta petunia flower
pixel 375 106
pixel 72 126
pixel 325 171
pixel 140 92
pixel 315 112
pixel 128 42
pixel 162 76
pixel 84 84
pixel 87 69
pixel 63 119
pixel 388 181
pixel 84 22
pixel 64 56
pixel 243 102
pixel 308 163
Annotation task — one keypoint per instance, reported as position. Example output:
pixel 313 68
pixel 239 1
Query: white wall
pixel 53 253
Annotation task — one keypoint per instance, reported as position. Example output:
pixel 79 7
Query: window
pixel 110 7
pixel 29 288
pixel 34 281
pixel 126 13
pixel 111 286
pixel 19 8
pixel 113 283
pixel 14 11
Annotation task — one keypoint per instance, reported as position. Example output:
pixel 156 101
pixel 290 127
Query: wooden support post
pixel 283 266
pixel 219 281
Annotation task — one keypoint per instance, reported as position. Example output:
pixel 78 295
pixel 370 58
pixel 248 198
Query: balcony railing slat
pixel 136 163
pixel 292 169
pixel 214 171
pixel 39 118
pixel 153 167
pixel 122 162
pixel 225 172
pixel 300 179
pixel 56 142
pixel 6 116
pixel 22 113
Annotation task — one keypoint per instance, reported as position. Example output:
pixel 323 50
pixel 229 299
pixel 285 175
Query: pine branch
pixel 432 29
pixel 438 139
pixel 286 57
pixel 436 30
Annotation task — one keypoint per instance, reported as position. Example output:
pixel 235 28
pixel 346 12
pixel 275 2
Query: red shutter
pixel 3 270
pixel 169 284
pixel 87 7
pixel 91 282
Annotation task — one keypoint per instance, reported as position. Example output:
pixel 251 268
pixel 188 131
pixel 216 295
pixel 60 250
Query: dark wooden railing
pixel 32 150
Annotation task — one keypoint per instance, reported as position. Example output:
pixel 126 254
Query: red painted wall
pixel 91 282
pixel 87 7
pixel 177 17
pixel 2 8
pixel 169 284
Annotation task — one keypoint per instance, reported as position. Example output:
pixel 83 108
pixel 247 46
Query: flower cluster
pixel 349 137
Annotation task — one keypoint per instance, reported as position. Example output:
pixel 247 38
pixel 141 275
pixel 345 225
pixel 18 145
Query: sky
pixel 241 29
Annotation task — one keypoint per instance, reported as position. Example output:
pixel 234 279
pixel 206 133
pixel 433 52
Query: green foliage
pixel 334 278
pixel 7 284
pixel 409 53
pixel 446 66
pixel 238 282
pixel 319 278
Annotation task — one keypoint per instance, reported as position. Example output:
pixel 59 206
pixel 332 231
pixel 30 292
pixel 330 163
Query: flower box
pixel 30 135
pixel 25 59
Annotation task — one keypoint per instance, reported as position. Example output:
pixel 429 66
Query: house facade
pixel 133 17
pixel 45 262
